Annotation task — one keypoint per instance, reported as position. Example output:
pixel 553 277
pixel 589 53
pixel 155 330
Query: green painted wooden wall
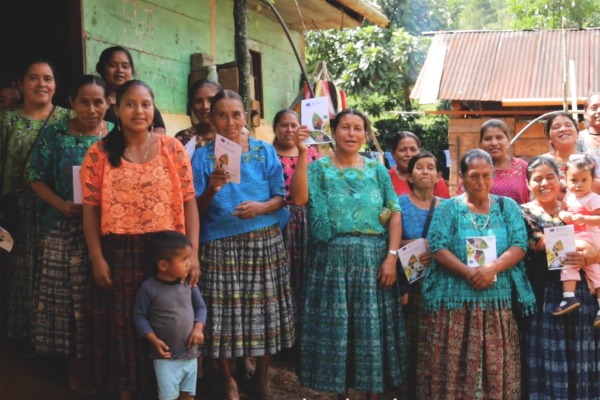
pixel 162 35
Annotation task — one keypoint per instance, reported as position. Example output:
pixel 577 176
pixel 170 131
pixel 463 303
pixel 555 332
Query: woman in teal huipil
pixel 352 329
pixel 472 343
pixel 19 129
pixel 64 267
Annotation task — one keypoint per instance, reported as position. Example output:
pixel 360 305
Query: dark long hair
pixel 225 94
pixel 200 83
pixel 107 54
pixel 87 80
pixel 114 142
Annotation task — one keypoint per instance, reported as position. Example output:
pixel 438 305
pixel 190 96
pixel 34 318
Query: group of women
pixel 466 332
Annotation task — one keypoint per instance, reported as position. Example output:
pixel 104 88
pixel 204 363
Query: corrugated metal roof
pixel 323 14
pixel 496 65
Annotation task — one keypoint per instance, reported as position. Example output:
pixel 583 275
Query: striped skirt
pixel 561 354
pixel 64 272
pixel 118 360
pixel 22 268
pixel 295 237
pixel 472 354
pixel 416 330
pixel 245 284
pixel 352 332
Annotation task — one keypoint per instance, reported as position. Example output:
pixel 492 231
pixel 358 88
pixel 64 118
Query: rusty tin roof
pixel 504 65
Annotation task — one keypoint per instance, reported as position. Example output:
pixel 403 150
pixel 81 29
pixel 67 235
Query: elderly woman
pixel 404 146
pixel 477 241
pixel 560 355
pixel 245 275
pixel 588 141
pixel 352 332
pixel 418 207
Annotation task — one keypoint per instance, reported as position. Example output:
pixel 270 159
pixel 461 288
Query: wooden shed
pixel 515 76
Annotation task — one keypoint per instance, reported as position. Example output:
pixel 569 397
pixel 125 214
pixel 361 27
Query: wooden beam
pixel 456 113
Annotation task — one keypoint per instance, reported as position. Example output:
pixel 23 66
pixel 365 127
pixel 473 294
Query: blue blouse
pixel 261 179
pixel 413 218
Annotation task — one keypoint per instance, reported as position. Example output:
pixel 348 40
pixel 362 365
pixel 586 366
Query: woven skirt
pixel 472 354
pixel 416 330
pixel 64 273
pixel 117 352
pixel 245 284
pixel 295 237
pixel 352 332
pixel 22 268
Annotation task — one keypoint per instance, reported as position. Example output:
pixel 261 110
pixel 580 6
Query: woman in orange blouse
pixel 135 182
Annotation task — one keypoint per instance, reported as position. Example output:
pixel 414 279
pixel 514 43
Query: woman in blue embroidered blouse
pixel 472 335
pixel 245 275
pixel 352 329
pixel 417 208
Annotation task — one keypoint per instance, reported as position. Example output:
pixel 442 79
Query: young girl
pixel 135 182
pixel 583 211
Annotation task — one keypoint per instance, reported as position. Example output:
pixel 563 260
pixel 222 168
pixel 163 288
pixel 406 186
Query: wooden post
pixel 242 53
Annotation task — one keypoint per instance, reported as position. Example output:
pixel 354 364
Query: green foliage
pixel 483 14
pixel 370 62
pixel 549 14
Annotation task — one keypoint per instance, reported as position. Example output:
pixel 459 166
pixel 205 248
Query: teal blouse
pixel 52 159
pixel 349 200
pixel 17 134
pixel 452 224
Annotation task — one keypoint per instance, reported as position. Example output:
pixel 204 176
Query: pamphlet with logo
pixel 409 258
pixel 560 240
pixel 228 155
pixel 481 250
pixel 77 190
pixel 314 113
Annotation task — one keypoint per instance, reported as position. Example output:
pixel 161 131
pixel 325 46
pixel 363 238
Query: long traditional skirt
pixel 245 284
pixel 22 266
pixel 352 332
pixel 416 330
pixel 561 354
pixel 64 272
pixel 116 350
pixel 472 354
pixel 295 237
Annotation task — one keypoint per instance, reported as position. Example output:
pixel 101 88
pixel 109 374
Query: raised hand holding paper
pixel 228 155
pixel 315 114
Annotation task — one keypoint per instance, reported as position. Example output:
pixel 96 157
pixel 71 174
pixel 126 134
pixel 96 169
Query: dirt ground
pixel 45 379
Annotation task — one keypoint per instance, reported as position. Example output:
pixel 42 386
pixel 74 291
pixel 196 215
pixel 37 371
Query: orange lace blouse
pixel 139 198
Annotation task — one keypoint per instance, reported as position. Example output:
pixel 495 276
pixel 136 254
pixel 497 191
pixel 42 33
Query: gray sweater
pixel 170 310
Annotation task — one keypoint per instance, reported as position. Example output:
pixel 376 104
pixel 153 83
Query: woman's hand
pixel 218 178
pixel 589 253
pixel 70 209
pixel 301 135
pixel 425 258
pixel 101 273
pixel 249 209
pixel 482 277
pixel 387 272
pixel 194 275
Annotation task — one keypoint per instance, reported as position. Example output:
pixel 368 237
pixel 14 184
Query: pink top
pixel 139 198
pixel 510 182
pixel 289 165
pixel 401 186
pixel 585 205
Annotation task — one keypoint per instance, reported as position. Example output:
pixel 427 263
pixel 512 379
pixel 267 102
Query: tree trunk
pixel 242 53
